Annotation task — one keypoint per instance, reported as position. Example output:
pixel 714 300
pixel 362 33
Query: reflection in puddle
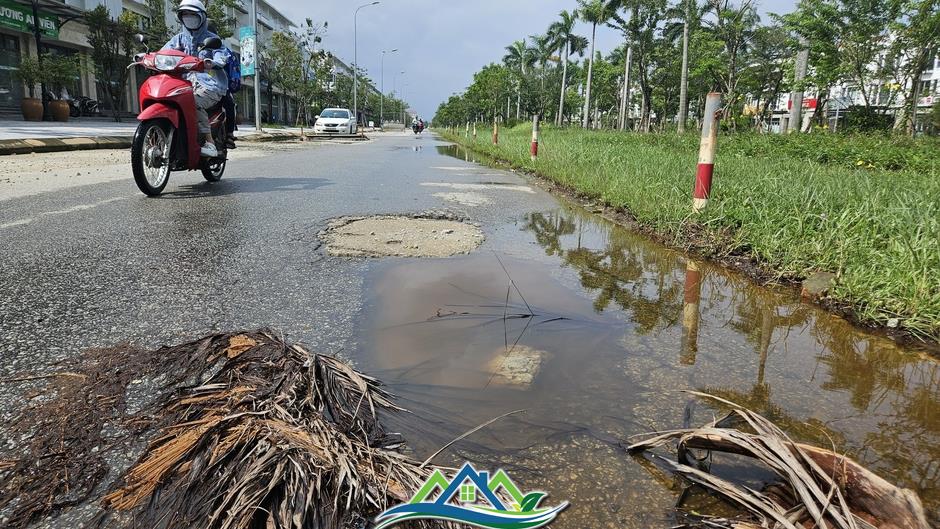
pixel 620 326
pixel 457 151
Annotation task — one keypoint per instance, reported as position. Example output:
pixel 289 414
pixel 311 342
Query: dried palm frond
pixel 236 430
pixel 279 438
pixel 818 488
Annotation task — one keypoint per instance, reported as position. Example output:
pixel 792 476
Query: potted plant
pixel 31 74
pixel 58 71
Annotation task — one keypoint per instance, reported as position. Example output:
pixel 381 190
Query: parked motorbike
pixel 83 106
pixel 167 138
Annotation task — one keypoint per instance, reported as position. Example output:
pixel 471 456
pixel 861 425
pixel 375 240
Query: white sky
pixel 441 43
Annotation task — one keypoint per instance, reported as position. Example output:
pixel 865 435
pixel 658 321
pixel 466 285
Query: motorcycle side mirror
pixel 141 39
pixel 212 43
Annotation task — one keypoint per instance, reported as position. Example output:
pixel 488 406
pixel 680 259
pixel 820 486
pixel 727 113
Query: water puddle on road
pixel 596 334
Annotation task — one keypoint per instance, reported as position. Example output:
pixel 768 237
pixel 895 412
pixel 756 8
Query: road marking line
pixel 79 207
pixel 474 187
pixel 15 223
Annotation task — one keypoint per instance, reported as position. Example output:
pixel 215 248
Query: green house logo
pixel 474 498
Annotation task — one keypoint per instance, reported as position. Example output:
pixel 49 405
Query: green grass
pixel 864 207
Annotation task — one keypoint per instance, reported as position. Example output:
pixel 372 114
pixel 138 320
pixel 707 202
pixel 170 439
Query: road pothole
pixel 400 236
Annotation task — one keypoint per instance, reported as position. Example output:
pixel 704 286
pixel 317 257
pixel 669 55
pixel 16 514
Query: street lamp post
pixel 404 89
pixel 382 83
pixel 401 102
pixel 395 88
pixel 257 79
pixel 356 60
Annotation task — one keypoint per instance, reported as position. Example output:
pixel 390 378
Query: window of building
pixel 11 90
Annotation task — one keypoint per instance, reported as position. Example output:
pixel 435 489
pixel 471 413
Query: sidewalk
pixel 79 128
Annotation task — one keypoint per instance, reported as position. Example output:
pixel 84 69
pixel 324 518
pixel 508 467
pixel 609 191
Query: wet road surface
pixel 597 328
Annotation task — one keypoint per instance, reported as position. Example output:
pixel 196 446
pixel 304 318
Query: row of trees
pixel 307 75
pixel 673 54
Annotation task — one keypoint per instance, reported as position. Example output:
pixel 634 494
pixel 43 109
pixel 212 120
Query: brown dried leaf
pixel 238 344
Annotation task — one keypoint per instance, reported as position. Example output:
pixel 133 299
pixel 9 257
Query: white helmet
pixel 190 7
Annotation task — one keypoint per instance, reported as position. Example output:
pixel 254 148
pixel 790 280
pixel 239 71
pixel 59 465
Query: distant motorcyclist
pixel 209 87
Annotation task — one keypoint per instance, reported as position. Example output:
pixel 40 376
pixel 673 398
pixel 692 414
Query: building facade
pixel 64 32
pixel 886 95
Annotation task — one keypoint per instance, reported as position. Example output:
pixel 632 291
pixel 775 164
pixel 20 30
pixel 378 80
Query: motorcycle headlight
pixel 166 62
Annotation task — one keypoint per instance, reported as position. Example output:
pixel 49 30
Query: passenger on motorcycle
pixel 209 87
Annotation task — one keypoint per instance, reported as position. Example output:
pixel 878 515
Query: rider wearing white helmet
pixel 209 86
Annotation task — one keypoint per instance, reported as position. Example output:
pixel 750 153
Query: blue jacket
pixel 187 41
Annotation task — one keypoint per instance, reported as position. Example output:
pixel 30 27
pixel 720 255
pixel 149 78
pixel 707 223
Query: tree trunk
pixel 626 89
pixel 559 119
pixel 684 79
pixel 822 99
pixel 587 90
pixel 644 114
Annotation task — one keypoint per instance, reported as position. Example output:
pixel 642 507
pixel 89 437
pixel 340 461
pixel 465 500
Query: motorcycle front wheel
pixel 150 156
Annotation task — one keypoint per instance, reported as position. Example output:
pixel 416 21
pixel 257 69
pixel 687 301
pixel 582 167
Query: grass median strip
pixel 866 208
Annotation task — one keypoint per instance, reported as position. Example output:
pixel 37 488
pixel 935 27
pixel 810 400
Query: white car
pixel 335 121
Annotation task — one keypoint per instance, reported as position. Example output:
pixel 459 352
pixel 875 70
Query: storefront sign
pixel 246 41
pixel 20 17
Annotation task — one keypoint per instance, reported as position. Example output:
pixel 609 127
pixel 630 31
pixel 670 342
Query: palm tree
pixel 684 18
pixel 562 32
pixel 519 56
pixel 594 12
pixel 543 52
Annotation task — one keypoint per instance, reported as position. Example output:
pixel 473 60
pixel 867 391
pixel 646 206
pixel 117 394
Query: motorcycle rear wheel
pixel 150 156
pixel 212 169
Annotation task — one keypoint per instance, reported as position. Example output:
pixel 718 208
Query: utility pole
pixel 254 29
pixel 796 97
pixel 684 81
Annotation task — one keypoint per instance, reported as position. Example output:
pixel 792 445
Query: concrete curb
pixel 285 136
pixel 27 146
pixel 38 145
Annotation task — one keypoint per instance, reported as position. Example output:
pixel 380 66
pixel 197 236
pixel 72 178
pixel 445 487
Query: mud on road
pixel 400 236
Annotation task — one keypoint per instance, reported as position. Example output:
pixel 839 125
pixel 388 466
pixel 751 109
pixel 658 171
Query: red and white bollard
pixel 706 153
pixel 495 132
pixel 690 314
pixel 534 151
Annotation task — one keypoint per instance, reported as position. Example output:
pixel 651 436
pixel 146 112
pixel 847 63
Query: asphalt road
pixel 90 261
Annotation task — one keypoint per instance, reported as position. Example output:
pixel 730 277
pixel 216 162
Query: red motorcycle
pixel 167 138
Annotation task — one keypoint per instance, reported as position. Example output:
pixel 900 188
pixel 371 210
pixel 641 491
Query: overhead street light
pixel 382 86
pixel 356 59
